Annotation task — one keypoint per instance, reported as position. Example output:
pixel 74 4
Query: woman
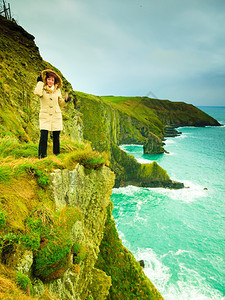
pixel 50 116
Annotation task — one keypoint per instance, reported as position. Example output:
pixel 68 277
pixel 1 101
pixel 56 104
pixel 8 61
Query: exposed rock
pixel 171 131
pixel 142 263
pixel 100 284
pixel 91 194
pixel 25 262
pixel 153 145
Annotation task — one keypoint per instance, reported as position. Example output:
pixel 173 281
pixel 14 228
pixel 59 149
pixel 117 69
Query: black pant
pixel 42 150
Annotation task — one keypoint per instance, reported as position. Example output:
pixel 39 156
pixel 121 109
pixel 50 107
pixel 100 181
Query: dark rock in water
pixel 205 189
pixel 176 185
pixel 142 263
pixel 171 131
pixel 167 184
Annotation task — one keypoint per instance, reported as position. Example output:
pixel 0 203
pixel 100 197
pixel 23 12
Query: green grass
pixel 24 282
pixel 10 146
pixel 115 99
pixel 134 107
pixel 18 158
pixel 2 219
pixel 79 253
pixel 6 173
pixel 53 256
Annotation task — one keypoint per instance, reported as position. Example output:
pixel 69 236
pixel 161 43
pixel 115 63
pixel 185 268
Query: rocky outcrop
pixel 91 194
pixel 130 172
pixel 84 274
pixel 153 145
pixel 79 279
pixel 171 131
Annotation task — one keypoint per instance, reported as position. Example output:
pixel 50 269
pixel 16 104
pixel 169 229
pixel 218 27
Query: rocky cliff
pixel 52 239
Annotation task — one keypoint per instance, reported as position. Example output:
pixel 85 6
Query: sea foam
pixel 189 286
pixel 190 193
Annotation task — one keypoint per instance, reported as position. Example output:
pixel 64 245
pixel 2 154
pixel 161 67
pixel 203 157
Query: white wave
pixel 144 161
pixel 129 190
pixel 190 193
pixel 154 269
pixel 170 153
pixel 170 141
pixel 140 220
pixel 189 286
pixel 137 217
pixel 192 127
pixel 180 251
pixel 122 237
pixel 183 135
pixel 187 291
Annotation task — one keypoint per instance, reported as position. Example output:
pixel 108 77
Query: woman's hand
pixel 39 78
pixel 67 98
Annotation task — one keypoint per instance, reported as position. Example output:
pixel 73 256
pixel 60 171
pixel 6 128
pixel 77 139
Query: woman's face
pixel 50 81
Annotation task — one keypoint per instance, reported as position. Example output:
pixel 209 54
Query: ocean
pixel 180 234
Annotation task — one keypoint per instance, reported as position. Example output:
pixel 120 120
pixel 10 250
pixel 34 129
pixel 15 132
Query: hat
pixel 45 74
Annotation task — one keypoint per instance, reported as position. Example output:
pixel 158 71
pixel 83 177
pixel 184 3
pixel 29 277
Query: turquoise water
pixel 180 234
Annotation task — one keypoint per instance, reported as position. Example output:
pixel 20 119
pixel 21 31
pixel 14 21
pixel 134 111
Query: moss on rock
pixel 100 284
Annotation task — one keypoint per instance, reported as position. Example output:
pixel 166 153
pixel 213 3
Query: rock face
pixel 171 131
pixel 91 194
pixel 105 260
pixel 110 128
pixel 153 145
pixel 179 114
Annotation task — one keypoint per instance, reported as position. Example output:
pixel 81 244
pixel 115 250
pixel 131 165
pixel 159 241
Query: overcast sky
pixel 169 49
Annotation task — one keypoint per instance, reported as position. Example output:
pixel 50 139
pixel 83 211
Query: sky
pixel 165 49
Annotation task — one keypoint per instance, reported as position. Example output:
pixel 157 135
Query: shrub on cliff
pixel 24 282
pixel 47 234
pixel 53 257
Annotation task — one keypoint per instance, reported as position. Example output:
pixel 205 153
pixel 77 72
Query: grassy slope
pixel 168 112
pixel 134 107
